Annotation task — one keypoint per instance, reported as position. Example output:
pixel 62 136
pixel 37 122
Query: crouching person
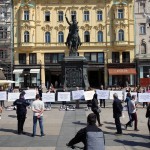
pixel 91 136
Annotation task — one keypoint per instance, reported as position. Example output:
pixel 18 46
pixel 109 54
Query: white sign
pixel 88 95
pixel 30 94
pixel 132 93
pixel 3 95
pixel 77 95
pixel 119 93
pixel 144 97
pixel 48 97
pixel 13 96
pixel 102 94
pixel 63 96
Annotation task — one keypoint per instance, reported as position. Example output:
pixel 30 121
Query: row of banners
pixel 74 95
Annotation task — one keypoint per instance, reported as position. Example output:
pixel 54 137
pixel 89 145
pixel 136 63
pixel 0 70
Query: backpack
pixel 95 140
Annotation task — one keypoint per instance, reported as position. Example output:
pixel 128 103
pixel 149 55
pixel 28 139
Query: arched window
pixel 143 48
pixel 47 37
pixel 86 36
pixel 121 35
pixel 100 36
pixel 60 37
pixel 26 36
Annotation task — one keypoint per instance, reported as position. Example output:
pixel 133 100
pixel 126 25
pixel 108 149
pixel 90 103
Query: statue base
pixel 74 72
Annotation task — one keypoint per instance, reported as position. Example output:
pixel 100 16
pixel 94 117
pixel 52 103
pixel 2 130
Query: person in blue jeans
pixel 38 109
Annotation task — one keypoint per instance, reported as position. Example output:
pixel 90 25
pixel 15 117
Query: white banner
pixel 144 97
pixel 88 95
pixel 63 96
pixel 48 97
pixel 30 94
pixel 13 96
pixel 3 95
pixel 102 94
pixel 77 95
pixel 132 93
pixel 119 93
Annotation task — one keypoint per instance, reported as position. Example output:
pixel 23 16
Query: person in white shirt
pixel 132 111
pixel 38 109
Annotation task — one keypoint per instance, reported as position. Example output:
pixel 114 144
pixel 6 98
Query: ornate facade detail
pixel 47 28
pixel 86 7
pixel 99 27
pixel 60 27
pixel 120 25
pixel 46 8
pixel 86 27
pixel 26 26
pixel 72 8
pixel 60 8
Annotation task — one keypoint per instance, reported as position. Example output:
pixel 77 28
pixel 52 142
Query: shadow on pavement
pixel 105 122
pixel 12 116
pixel 79 123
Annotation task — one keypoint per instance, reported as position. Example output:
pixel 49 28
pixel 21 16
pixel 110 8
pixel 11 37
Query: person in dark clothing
pixel 117 112
pixel 95 108
pixel 148 116
pixel 102 101
pixel 40 91
pixel 21 111
pixel 91 128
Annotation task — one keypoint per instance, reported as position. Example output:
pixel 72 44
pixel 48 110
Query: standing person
pixel 132 111
pixel 96 109
pixel 38 109
pixel 40 91
pixel 102 101
pixel 1 110
pixel 91 136
pixel 77 101
pixel 117 113
pixel 148 116
pixel 21 111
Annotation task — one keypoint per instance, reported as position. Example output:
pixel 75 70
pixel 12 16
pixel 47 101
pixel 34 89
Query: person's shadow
pixel 79 123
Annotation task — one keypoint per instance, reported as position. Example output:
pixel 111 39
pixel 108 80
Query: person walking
pixel 132 111
pixel 91 136
pixel 38 109
pixel 102 101
pixel 21 111
pixel 148 116
pixel 117 113
pixel 96 109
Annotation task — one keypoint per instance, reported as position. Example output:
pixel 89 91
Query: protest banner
pixel 63 96
pixel 102 94
pixel 77 95
pixel 144 97
pixel 119 93
pixel 88 95
pixel 48 97
pixel 3 95
pixel 132 93
pixel 30 94
pixel 13 96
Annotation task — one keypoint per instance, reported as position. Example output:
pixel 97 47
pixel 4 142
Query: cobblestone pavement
pixel 61 126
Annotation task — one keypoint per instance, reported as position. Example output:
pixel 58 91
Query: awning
pixel 17 71
pixel 35 71
pixel 123 71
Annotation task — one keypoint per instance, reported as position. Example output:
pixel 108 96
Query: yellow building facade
pixel 106 30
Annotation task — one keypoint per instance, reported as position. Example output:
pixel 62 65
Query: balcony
pixel 121 43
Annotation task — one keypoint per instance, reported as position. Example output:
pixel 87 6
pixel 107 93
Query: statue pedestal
pixel 74 72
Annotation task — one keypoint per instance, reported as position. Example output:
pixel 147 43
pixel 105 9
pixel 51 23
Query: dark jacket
pixel 21 106
pixel 94 104
pixel 117 108
pixel 81 135
pixel 148 112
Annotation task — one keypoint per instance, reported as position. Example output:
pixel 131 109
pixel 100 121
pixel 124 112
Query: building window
pixel 26 15
pixel 26 37
pixel 120 14
pixel 86 16
pixel 47 37
pixel 143 48
pixel 47 16
pixel 142 6
pixel 53 57
pixel 86 36
pixel 22 58
pixel 142 28
pixel 125 57
pixel 94 57
pixel 121 35
pixel 73 14
pixel 32 58
pixel 60 37
pixel 99 15
pixel 100 36
pixel 115 57
pixel 3 32
pixel 3 53
pixel 60 16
